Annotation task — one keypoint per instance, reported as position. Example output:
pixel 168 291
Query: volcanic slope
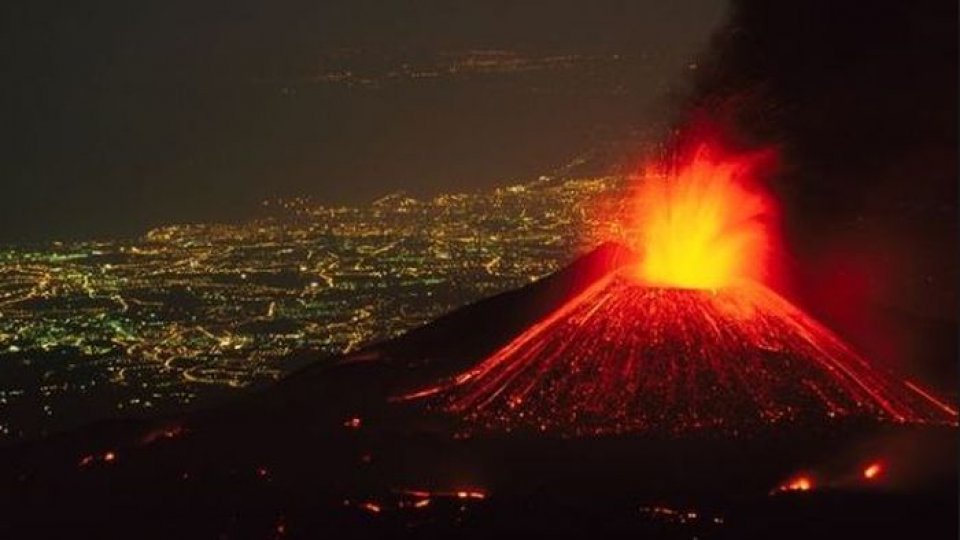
pixel 623 357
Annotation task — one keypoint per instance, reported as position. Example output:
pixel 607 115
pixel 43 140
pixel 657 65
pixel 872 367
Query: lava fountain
pixel 704 224
pixel 687 336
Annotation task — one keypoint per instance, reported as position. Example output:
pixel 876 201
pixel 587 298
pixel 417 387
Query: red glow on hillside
pixel 702 221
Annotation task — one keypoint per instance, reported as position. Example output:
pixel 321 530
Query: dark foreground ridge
pixel 328 452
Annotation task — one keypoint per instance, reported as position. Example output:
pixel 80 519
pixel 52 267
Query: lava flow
pixel 686 337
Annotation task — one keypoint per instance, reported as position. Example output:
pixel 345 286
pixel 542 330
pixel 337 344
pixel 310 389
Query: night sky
pixel 119 115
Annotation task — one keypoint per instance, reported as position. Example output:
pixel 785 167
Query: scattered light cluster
pixel 416 499
pixel 366 70
pixel 627 357
pixel 189 309
pixel 667 514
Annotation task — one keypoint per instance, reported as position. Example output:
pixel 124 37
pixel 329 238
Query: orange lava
pixel 624 357
pixel 873 471
pixel 371 507
pixel 422 495
pixel 800 483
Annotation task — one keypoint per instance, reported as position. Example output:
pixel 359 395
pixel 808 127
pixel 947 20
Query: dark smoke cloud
pixel 861 99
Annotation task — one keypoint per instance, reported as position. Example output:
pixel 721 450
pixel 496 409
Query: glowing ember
pixel 800 483
pixel 873 471
pixel 168 432
pixel 371 507
pixel 471 495
pixel 459 494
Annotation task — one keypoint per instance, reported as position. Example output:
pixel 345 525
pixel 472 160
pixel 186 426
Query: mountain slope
pixel 623 356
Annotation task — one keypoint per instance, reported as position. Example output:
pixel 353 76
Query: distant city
pixel 356 68
pixel 188 314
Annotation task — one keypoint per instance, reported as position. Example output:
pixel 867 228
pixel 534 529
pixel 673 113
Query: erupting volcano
pixel 687 336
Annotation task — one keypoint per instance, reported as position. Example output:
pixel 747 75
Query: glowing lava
pixel 873 471
pixel 624 357
pixel 704 225
pixel 800 483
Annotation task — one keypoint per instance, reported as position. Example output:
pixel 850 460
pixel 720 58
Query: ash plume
pixel 860 100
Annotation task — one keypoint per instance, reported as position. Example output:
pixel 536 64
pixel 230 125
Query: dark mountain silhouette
pixel 483 326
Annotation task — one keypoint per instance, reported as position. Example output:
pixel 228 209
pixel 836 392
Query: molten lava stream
pixel 624 356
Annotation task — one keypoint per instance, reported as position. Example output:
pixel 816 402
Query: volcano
pixel 684 335
pixel 623 356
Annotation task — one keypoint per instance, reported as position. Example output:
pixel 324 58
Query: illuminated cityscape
pixel 356 68
pixel 668 270
pixel 183 315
